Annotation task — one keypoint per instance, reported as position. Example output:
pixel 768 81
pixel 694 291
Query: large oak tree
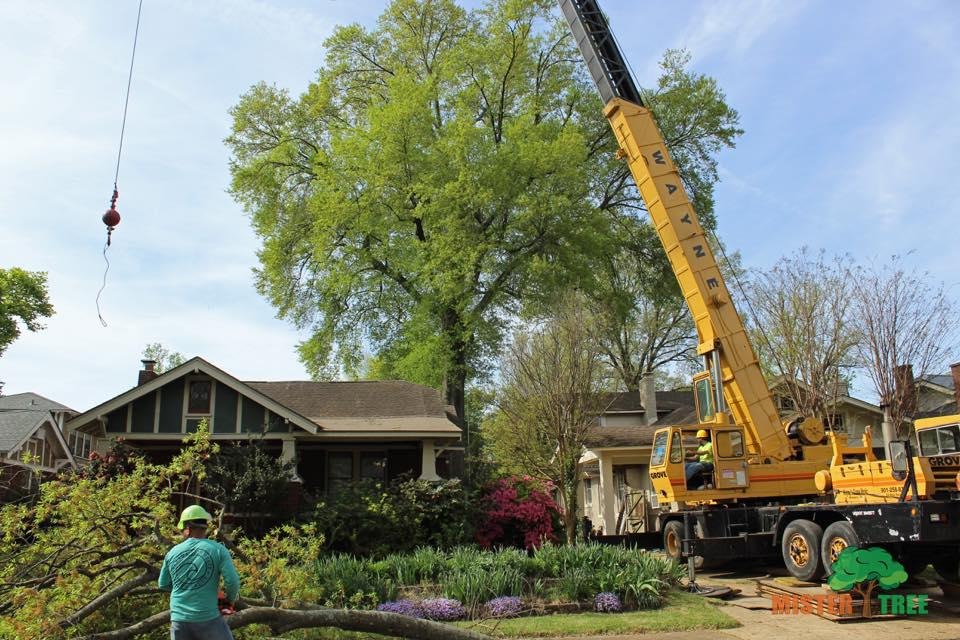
pixel 444 169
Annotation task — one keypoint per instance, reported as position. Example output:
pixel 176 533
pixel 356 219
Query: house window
pixel 588 493
pixel 835 422
pixel 34 452
pixel 339 470
pixel 81 444
pixel 787 404
pixel 373 465
pixel 198 402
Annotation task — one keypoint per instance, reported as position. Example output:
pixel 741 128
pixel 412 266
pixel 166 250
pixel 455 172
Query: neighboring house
pixel 848 415
pixel 337 432
pixel 937 394
pixel 616 459
pixel 32 446
pixel 616 494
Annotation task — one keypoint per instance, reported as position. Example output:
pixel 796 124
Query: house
pixel 847 415
pixel 336 432
pixel 937 395
pixel 32 445
pixel 616 458
pixel 616 494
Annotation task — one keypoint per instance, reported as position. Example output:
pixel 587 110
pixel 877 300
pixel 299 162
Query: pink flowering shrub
pixel 519 512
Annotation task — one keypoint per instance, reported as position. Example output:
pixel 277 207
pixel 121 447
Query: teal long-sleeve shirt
pixel 191 571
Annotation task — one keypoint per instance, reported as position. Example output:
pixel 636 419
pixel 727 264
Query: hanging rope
pixel 112 217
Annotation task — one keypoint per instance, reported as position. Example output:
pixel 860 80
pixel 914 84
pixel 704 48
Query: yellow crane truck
pixel 775 488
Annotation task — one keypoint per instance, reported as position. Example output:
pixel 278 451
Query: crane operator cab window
pixel 703 393
pixel 934 442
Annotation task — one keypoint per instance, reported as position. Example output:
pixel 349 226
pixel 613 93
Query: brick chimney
pixel 148 373
pixel 955 372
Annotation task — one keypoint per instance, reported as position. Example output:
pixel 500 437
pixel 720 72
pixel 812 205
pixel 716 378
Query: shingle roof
pixel 18 424
pixel 33 401
pixel 942 380
pixel 631 401
pixel 362 399
pixel 604 437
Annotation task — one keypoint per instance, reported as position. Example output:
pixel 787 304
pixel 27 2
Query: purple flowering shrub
pixel 504 607
pixel 404 607
pixel 442 609
pixel 607 602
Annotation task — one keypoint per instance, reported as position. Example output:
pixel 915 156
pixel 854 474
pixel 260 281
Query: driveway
pixel 760 624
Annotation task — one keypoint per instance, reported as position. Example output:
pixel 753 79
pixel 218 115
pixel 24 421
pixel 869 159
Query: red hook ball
pixel 111 218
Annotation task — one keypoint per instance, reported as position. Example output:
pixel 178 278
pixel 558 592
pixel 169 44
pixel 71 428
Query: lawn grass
pixel 682 612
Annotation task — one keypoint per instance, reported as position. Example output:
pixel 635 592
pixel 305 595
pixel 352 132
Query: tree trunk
pixel 867 604
pixel 570 514
pixel 455 380
pixel 282 620
pixel 888 429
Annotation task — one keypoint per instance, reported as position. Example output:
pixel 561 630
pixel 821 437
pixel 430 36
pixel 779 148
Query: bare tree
pixel 640 319
pixel 553 383
pixel 803 331
pixel 904 319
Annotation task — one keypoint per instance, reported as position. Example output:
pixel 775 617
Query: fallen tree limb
pixel 282 620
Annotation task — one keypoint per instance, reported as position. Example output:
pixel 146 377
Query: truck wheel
pixel 836 538
pixel 948 567
pixel 673 543
pixel 801 550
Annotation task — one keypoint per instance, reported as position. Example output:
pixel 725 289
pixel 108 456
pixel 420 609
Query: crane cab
pixel 673 448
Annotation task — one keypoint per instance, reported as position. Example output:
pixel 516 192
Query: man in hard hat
pixel 701 460
pixel 191 572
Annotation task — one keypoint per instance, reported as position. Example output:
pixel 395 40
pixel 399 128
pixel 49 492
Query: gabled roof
pixel 942 383
pixel 18 425
pixel 32 401
pixel 193 365
pixel 841 398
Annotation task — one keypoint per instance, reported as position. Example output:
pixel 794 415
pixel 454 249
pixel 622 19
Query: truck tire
pixel 801 550
pixel 948 567
pixel 673 543
pixel 836 538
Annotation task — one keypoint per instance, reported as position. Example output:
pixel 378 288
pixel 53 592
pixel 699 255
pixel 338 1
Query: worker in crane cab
pixel 700 461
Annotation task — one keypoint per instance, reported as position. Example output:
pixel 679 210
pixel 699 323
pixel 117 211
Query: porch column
pixel 289 454
pixel 429 466
pixel 608 510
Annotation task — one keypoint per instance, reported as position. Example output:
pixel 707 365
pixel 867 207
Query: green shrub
pixel 374 519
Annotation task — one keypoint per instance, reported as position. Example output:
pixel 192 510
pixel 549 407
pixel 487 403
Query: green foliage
pixel 279 567
pixel 641 579
pixel 164 358
pixel 854 566
pixel 24 301
pixel 249 480
pixel 433 181
pixel 370 518
pixel 87 534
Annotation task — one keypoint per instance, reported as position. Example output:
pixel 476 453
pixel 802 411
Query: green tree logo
pixel 861 570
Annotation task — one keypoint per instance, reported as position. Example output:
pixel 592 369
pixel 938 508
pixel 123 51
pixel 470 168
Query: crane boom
pixel 719 327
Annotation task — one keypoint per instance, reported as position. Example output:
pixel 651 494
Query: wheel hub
pixel 799 551
pixel 836 546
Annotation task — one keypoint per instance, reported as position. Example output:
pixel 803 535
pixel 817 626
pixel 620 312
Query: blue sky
pixel 850 112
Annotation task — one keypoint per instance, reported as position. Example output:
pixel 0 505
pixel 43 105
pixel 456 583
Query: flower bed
pixel 474 583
